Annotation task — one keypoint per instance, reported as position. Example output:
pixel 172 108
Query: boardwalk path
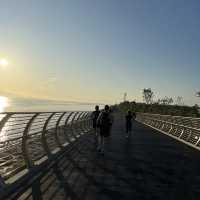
pixel 149 165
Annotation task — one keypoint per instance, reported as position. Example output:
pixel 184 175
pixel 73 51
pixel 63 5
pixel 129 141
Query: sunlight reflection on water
pixel 3 103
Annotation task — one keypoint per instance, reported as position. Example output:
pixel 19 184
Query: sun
pixel 3 62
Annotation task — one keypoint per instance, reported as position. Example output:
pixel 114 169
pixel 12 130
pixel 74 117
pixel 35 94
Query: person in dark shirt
pixel 95 116
pixel 129 119
pixel 105 122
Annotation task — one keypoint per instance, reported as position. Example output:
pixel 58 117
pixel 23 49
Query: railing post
pixel 66 126
pixel 170 129
pixel 4 120
pixel 27 159
pixel 78 123
pixel 57 129
pixel 88 121
pixel 189 135
pixel 83 128
pixel 198 141
pixel 44 140
pixel 85 122
pixel 72 125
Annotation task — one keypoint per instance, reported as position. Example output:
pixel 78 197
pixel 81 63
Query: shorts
pixel 105 132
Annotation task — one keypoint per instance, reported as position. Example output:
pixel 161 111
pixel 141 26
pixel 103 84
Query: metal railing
pixel 29 139
pixel 184 129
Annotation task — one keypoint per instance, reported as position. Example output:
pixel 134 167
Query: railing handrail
pixel 179 116
pixel 34 112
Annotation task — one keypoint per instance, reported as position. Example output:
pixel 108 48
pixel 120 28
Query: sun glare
pixel 3 103
pixel 3 62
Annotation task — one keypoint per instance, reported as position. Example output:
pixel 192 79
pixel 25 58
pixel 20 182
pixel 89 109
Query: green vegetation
pixel 163 106
pixel 155 108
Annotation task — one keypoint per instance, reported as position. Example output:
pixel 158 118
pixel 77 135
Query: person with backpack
pixel 104 122
pixel 129 118
pixel 95 116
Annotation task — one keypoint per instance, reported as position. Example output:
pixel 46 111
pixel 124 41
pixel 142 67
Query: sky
pixel 96 50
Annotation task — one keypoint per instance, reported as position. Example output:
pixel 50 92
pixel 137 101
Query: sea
pixel 22 104
pixel 11 133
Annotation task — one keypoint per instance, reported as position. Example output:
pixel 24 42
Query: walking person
pixel 95 116
pixel 104 122
pixel 129 119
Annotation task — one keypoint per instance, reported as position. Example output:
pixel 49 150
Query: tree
pixel 179 101
pixel 148 95
pixel 165 101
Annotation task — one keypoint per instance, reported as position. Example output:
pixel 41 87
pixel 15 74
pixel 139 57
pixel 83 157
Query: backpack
pixel 105 120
